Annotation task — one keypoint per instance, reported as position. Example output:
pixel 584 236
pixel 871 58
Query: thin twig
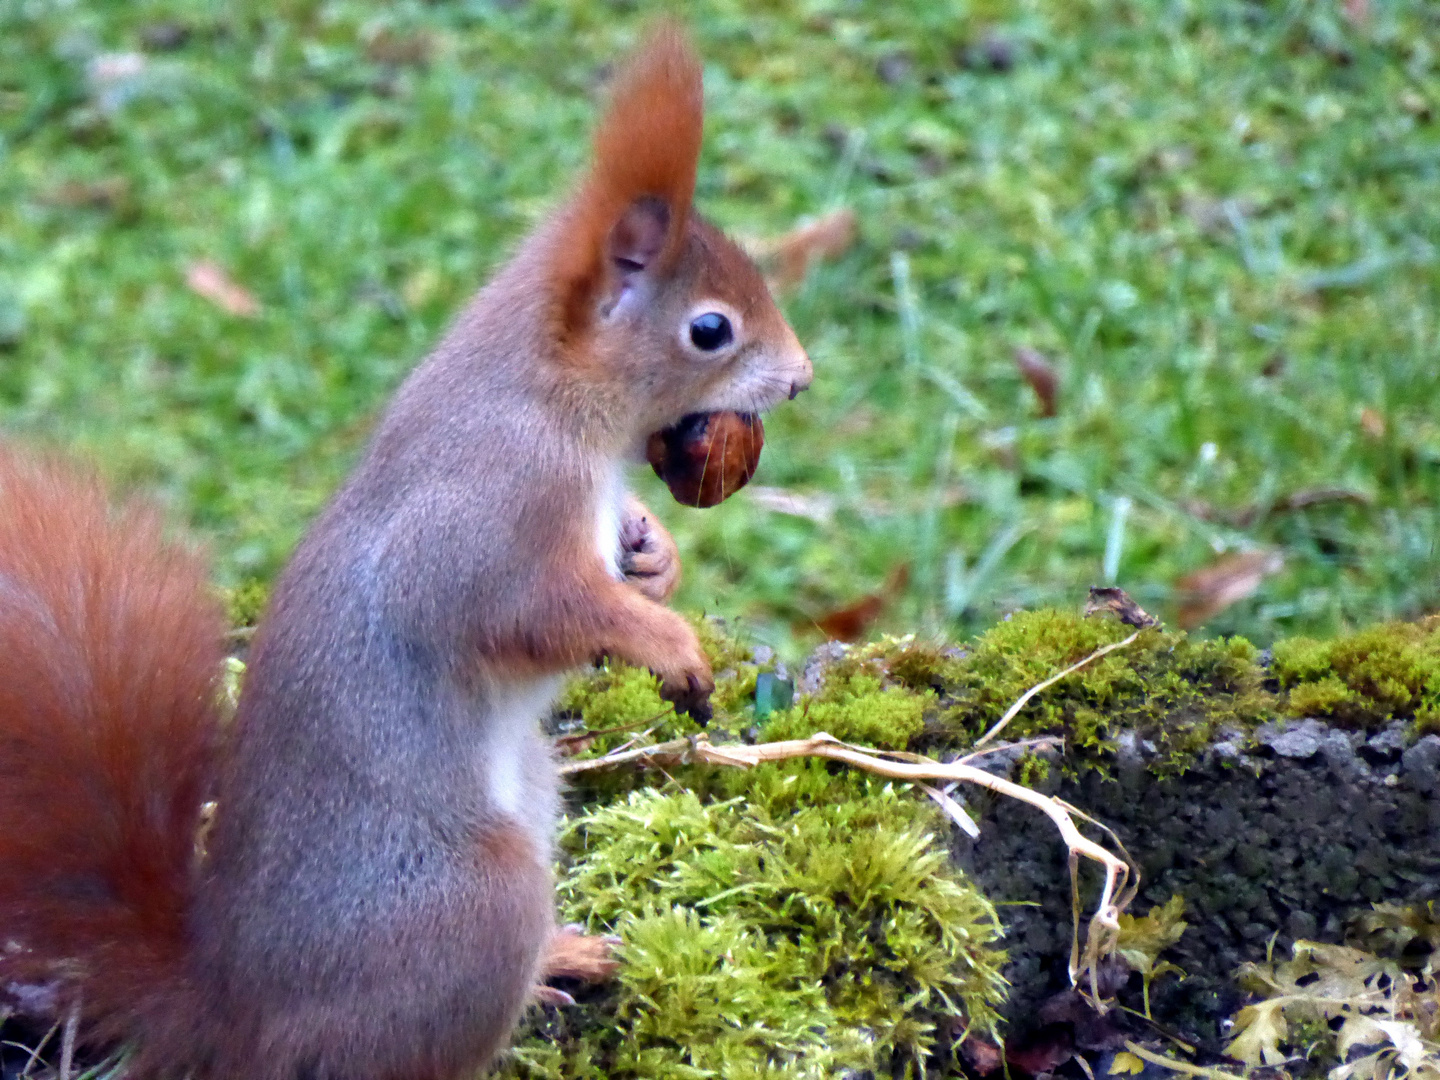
pixel 953 810
pixel 35 1053
pixel 1041 742
pixel 575 738
pixel 698 748
pixel 1098 942
pixel 1024 699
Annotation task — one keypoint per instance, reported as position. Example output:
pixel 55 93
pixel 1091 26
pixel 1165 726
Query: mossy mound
pixel 800 919
pixel 1176 692
pixel 1167 688
pixel 757 943
pixel 795 920
pixel 1368 678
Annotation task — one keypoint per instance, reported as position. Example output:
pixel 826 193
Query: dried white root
pixel 1121 878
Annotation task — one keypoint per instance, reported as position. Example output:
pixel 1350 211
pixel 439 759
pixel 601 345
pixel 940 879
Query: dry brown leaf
pixel 1118 602
pixel 1040 374
pixel 209 279
pixel 850 623
pixel 1372 423
pixel 106 193
pixel 1228 580
pixel 827 237
pixel 1305 497
pixel 400 50
pixel 1247 516
pixel 983 1057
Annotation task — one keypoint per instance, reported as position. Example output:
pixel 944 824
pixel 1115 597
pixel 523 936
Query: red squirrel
pixel 373 899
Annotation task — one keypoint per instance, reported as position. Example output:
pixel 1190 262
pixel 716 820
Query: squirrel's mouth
pixel 706 457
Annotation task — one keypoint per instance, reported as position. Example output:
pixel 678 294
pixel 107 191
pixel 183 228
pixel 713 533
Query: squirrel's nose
pixel 806 376
pixel 798 362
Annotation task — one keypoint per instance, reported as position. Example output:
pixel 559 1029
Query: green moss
pixel 245 603
pixel 921 665
pixel 1032 770
pixel 762 939
pixel 734 689
pixel 1427 720
pixel 856 708
pixel 615 695
pixel 1324 697
pixel 725 649
pixel 1300 659
pixel 1365 679
pixel 1175 691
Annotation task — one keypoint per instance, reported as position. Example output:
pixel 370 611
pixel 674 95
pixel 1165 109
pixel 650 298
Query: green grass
pixel 1169 200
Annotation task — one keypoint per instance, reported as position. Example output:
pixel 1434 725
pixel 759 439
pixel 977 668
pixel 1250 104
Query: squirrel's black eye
pixel 710 331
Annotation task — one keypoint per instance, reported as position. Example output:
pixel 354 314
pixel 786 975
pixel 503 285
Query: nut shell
pixel 707 457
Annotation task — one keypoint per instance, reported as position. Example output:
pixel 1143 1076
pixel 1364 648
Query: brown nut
pixel 707 457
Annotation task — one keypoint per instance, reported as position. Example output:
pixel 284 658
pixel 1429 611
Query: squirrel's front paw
pixel 689 690
pixel 649 558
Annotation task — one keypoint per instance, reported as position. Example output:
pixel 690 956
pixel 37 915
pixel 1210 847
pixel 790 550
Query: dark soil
pixel 1288 841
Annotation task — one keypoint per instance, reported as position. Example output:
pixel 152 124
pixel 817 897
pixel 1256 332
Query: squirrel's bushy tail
pixel 110 650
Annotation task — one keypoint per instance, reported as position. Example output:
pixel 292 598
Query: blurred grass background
pixel 1215 220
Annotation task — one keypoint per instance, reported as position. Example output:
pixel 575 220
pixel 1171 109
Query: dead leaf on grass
pixel 1228 580
pixel 165 36
pixel 850 623
pixel 106 193
pixel 1372 423
pixel 1040 374
pixel 389 46
pixel 790 256
pixel 1247 516
pixel 209 279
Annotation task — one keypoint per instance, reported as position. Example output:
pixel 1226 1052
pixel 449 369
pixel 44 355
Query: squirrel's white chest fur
pixel 609 508
pixel 515 753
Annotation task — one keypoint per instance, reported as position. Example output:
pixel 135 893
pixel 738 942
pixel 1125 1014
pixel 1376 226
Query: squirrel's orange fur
pixel 647 145
pixel 109 655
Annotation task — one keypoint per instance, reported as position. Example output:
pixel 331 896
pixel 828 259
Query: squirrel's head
pixel 651 298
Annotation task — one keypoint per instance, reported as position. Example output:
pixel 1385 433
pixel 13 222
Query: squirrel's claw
pixel 693 698
pixel 541 994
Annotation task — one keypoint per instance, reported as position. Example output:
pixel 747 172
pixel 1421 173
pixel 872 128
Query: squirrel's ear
pixel 630 212
pixel 639 237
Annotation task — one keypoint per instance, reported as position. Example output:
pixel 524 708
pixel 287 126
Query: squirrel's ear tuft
pixel 633 205
pixel 649 142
